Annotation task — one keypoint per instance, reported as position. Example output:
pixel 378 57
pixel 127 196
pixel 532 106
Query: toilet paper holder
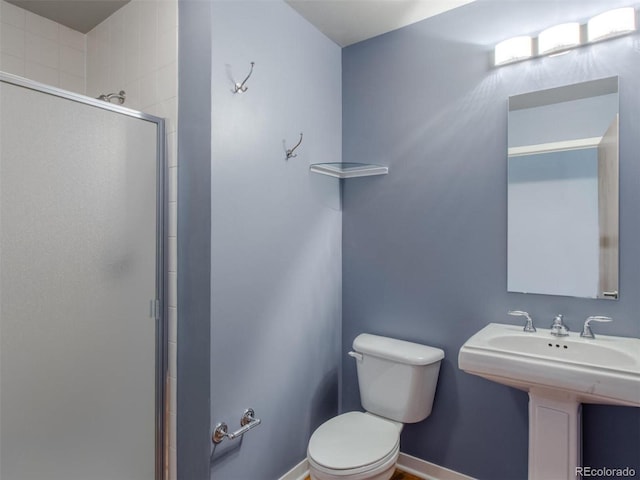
pixel 247 422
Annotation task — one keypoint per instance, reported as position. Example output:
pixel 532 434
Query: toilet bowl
pixel 354 446
pixel 397 381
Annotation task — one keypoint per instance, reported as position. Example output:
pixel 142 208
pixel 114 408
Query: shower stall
pixel 82 323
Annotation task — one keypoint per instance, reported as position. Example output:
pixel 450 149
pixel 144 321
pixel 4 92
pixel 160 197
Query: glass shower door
pixel 78 276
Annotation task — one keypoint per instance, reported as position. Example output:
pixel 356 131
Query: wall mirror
pixel 563 191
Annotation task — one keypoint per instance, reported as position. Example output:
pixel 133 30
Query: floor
pixel 398 475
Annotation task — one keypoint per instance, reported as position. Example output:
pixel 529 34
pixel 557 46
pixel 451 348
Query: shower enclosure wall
pixel 82 329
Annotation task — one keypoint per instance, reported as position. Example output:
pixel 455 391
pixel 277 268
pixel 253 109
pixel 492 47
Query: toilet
pixel 397 381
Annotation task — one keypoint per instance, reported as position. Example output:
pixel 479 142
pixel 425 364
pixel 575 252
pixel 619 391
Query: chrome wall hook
pixel 241 87
pixel 247 422
pixel 291 150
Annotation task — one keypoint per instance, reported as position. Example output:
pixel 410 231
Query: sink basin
pixel 603 370
pixel 559 373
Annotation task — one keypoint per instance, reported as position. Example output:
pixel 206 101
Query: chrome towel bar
pixel 247 422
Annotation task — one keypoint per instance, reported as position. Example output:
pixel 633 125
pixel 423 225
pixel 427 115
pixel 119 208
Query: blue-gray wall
pixel 553 239
pixel 194 245
pixel 424 248
pixel 275 235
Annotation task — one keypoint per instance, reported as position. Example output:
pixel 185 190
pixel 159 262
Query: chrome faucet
pixel 529 325
pixel 558 328
pixel 586 330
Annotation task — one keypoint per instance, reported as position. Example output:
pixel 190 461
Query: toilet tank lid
pixel 396 350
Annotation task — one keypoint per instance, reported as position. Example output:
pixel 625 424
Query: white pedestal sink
pixel 559 373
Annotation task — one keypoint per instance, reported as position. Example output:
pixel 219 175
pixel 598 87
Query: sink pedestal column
pixel 554 437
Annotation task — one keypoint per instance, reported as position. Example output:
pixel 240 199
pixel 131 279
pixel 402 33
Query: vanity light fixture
pixel 563 37
pixel 513 50
pixel 611 24
pixel 559 38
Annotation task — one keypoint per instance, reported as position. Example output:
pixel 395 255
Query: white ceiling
pixel 81 15
pixel 343 21
pixel 351 21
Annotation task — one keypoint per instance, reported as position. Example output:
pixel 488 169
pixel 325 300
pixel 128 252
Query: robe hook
pixel 291 150
pixel 241 87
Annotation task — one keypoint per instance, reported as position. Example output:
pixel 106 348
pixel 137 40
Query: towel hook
pixel 241 87
pixel 290 151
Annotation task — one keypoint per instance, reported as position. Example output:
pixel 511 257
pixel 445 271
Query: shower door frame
pixel 160 307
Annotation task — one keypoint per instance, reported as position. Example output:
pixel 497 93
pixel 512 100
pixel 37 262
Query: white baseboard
pixel 299 472
pixel 415 466
pixel 427 470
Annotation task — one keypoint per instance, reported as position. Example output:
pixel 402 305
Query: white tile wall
pixel 37 48
pixel 135 50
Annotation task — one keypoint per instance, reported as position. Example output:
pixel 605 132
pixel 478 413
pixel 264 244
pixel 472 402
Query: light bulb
pixel 512 50
pixel 558 38
pixel 611 24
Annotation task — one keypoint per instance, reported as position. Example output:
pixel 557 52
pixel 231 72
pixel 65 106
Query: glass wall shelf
pixel 348 169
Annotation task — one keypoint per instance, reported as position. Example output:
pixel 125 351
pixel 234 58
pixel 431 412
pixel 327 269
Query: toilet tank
pixel 397 379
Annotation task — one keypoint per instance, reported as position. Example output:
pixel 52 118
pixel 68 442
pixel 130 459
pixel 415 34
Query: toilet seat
pixel 374 471
pixel 354 443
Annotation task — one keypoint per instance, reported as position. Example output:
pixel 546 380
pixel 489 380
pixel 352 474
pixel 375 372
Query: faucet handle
pixel 519 313
pixel 558 328
pixel 586 330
